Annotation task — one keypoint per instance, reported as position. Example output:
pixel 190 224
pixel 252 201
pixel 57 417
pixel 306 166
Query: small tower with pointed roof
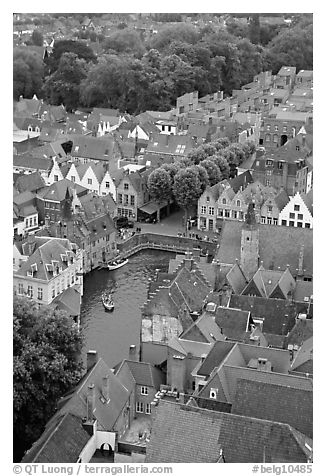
pixel 249 253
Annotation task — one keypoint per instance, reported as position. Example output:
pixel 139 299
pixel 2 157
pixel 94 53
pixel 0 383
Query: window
pixel 268 138
pixel 268 127
pixel 284 222
pixel 208 198
pixel 56 178
pixel 263 220
pixel 291 223
pixel 299 224
pixel 240 215
pixel 224 201
pixel 234 214
pixel 119 197
pixel 300 216
pixel 40 293
pixel 280 165
pixel 89 181
pixel 203 210
pixel 213 393
pixel 73 178
pixel 30 291
pixel 307 225
pixel 268 183
pixel 269 220
pixel 148 409
pixel 132 200
pixel 238 203
pixel 53 291
pixel 211 210
pixel 292 215
pixel 126 186
pixel 275 138
pixel 34 220
pixel 107 184
pixel 296 208
pixel 144 390
pixel 139 407
pixel 20 288
pixel 274 221
pixel 227 214
pixel 285 128
pixel 220 212
pixel 275 128
pixel 126 200
pixel 268 172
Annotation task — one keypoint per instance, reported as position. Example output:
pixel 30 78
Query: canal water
pixel 111 333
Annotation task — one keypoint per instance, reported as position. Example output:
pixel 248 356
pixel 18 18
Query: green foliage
pixel 187 188
pixel 202 175
pixel 125 41
pixel 181 32
pixel 159 185
pixel 37 38
pixel 46 346
pixel 27 73
pixel 222 163
pixel 213 171
pixel 63 86
pixel 69 46
pixel 291 47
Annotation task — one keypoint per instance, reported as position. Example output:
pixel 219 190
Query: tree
pixel 63 86
pixel 222 164
pixel 125 41
pixel 292 47
pixel 159 186
pixel 79 48
pixel 254 29
pixel 221 143
pixel 46 347
pixel 213 171
pixel 251 62
pixel 202 175
pixel 186 189
pixel 37 38
pixel 182 32
pixel 27 73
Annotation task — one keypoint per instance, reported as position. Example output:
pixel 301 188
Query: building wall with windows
pixel 296 214
pixel 269 212
pixel 65 274
pixel 276 132
pixel 143 398
pixel 108 186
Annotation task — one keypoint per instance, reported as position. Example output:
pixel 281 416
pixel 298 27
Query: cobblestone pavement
pixel 170 226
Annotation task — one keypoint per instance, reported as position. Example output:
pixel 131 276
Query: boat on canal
pixel 117 263
pixel 107 302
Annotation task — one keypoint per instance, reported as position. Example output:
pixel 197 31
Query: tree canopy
pixel 46 347
pixel 27 73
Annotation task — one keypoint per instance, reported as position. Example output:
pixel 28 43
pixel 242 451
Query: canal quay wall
pixel 175 244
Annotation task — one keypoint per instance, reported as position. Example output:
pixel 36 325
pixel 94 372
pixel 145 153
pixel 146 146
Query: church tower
pixel 249 255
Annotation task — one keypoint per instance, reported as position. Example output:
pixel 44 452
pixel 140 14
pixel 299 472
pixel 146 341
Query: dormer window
pixel 207 199
pixel 224 201
pixel 213 393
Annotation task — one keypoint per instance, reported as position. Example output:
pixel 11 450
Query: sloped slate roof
pixel 185 434
pixel 29 182
pixel 278 246
pixel 217 354
pixel 145 374
pixel 276 403
pixel 28 161
pixel 57 190
pixel 61 442
pixel 106 414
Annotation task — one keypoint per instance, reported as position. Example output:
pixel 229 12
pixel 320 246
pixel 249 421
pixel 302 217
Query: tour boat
pixel 117 263
pixel 107 302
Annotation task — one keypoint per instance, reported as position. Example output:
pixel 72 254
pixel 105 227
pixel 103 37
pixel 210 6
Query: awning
pixel 152 207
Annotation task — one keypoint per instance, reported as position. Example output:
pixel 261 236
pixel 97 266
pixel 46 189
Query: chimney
pixel 91 359
pixel 105 387
pixel 90 403
pixel 300 268
pixel 133 353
